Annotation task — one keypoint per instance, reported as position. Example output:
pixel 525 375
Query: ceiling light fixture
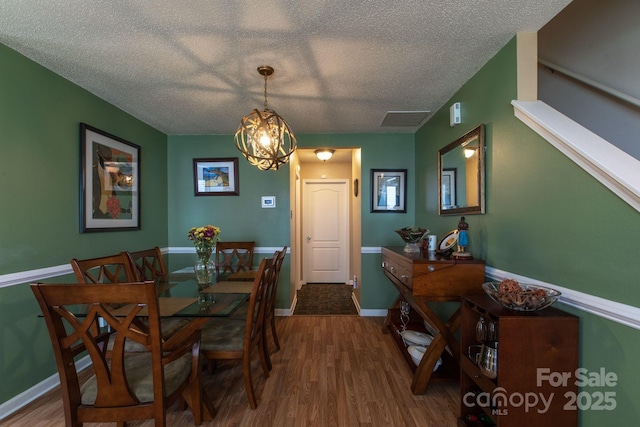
pixel 324 154
pixel 469 152
pixel 264 138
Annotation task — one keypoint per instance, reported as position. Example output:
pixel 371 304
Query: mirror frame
pixel 476 133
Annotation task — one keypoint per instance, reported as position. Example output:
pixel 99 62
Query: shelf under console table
pixel 422 278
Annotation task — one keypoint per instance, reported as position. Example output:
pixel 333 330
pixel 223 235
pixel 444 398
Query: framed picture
pixel 388 190
pixel 449 188
pixel 109 182
pixel 216 177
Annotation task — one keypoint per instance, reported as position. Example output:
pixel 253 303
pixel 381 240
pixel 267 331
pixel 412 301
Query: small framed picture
pixel 268 201
pixel 216 177
pixel 109 182
pixel 388 190
pixel 448 194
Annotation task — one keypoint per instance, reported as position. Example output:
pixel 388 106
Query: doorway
pixel 341 171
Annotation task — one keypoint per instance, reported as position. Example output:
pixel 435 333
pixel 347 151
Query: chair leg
pixel 248 381
pixel 273 332
pixel 263 354
pixel 266 348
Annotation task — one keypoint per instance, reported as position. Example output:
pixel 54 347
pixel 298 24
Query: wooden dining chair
pixel 124 268
pixel 234 259
pixel 126 386
pixel 106 269
pixel 236 339
pixel 148 263
pixel 270 305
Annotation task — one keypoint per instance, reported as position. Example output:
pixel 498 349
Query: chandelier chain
pixel 265 92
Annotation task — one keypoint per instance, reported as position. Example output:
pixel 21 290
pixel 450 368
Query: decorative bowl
pixel 521 297
pixel 412 234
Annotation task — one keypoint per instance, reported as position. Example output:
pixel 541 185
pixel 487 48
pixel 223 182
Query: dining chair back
pixel 235 339
pixel 148 263
pixel 106 269
pixel 127 267
pixel 270 305
pixel 233 257
pixel 125 386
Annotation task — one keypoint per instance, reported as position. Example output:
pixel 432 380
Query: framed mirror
pixel 461 175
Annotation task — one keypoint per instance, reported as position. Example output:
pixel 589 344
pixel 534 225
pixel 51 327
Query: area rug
pixel 325 299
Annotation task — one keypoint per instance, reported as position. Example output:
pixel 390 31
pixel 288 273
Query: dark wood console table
pixel 422 278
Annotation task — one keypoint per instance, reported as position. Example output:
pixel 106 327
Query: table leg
pixel 425 369
pixel 445 329
pixel 434 351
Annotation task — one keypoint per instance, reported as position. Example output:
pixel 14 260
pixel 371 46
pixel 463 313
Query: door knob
pixel 308 239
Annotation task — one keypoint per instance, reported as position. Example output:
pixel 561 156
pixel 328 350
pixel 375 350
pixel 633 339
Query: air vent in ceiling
pixel 404 118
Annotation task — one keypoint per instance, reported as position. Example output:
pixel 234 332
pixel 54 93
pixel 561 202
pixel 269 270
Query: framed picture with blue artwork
pixel 109 182
pixel 388 190
pixel 216 177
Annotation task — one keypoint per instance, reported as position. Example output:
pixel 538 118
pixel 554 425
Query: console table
pixel 423 278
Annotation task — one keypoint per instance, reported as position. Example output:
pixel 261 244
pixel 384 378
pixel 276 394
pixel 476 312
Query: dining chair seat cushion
pixel 223 335
pixel 168 327
pixel 138 369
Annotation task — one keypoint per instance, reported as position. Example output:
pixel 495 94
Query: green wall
pixel 546 219
pixel 241 217
pixel 40 114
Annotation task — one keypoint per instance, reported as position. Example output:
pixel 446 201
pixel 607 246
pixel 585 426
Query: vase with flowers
pixel 204 240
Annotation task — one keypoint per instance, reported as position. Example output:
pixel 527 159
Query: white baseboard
pixel 356 302
pixel 18 402
pixel 283 312
pixel 373 313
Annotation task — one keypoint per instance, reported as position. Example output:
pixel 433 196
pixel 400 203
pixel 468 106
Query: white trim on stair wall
pixel 615 169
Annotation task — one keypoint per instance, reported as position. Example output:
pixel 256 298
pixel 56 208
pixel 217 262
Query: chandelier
pixel 264 138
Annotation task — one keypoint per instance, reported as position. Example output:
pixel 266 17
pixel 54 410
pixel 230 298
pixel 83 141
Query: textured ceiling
pixel 189 67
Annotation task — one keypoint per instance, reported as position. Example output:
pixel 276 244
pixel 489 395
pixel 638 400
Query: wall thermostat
pixel 268 201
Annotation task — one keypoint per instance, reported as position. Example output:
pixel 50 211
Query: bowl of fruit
pixel 521 297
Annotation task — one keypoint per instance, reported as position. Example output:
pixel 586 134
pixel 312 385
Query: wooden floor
pixel 331 371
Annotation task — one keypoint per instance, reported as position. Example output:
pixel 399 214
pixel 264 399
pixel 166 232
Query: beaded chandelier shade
pixel 264 138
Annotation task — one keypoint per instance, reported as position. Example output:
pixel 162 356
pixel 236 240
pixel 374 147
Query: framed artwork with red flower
pixel 109 182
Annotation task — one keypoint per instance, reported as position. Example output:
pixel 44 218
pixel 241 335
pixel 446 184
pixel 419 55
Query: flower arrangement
pixel 204 238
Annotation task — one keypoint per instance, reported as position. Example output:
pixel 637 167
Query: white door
pixel 325 231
